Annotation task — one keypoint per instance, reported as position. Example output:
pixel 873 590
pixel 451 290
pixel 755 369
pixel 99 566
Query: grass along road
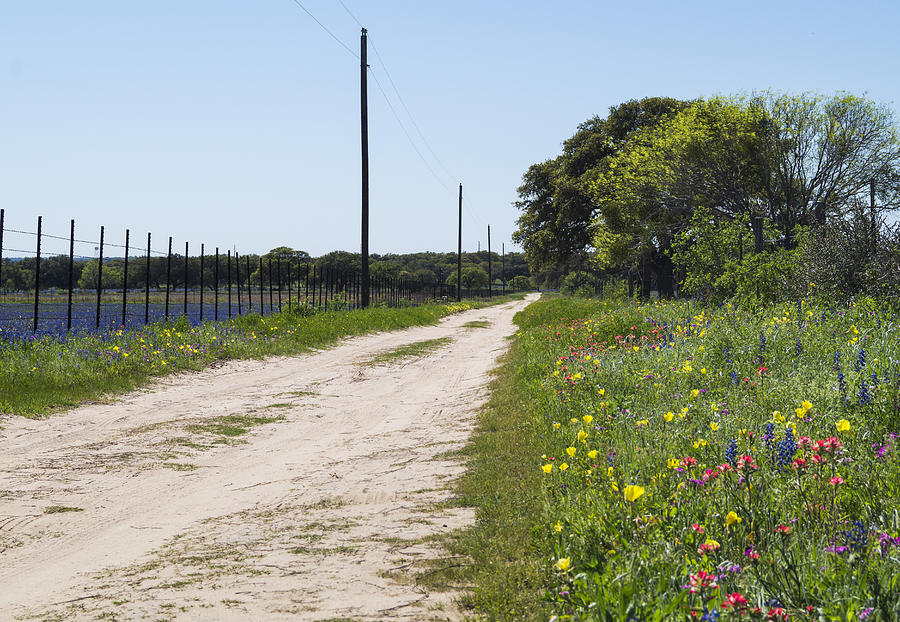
pixel 255 490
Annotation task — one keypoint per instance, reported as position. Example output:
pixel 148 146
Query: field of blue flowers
pixel 719 463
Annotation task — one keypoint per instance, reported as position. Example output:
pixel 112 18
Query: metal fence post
pixel 262 298
pixel 168 276
pixel 202 250
pixel 99 280
pixel 71 274
pixel 249 285
pixel 289 284
pixel 228 272
pixel 146 284
pixel 125 278
pixel 306 284
pixel 37 276
pixel 269 261
pixel 278 267
pixel 216 285
pixel 237 278
pixel 186 254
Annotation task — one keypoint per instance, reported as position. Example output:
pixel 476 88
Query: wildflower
pixel 751 553
pixel 860 360
pixel 731 518
pixel 783 529
pixel 837 480
pixel 702 580
pixel 843 425
pixel 563 466
pixel 557 527
pixel 582 435
pixel 669 416
pixel 786 449
pixel 708 546
pixel 697 527
pixel 735 600
pixel 857 537
pixel 632 493
pixel 570 451
pixel 731 452
pixel 587 418
pixel 713 425
pixel 695 393
pixel 863 397
pixel 547 468
pixel 592 454
pixel 563 563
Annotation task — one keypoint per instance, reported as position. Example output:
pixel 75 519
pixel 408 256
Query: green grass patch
pixel 59 509
pixel 230 426
pixel 45 375
pixel 477 324
pixel 504 566
pixel 409 351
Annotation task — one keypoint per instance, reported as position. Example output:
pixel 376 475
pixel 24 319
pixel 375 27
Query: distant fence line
pixel 212 287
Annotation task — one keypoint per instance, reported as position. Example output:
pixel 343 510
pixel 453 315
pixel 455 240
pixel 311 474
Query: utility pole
pixel 459 252
pixel 490 276
pixel 364 131
pixel 503 265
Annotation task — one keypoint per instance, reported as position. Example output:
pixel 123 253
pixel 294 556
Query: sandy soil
pixel 301 488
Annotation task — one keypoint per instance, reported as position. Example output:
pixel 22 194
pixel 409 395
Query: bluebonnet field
pixel 717 463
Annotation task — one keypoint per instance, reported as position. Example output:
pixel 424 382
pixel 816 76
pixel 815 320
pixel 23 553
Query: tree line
pixel 720 196
pixel 427 268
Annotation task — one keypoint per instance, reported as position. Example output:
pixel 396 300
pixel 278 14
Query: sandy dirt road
pixel 296 488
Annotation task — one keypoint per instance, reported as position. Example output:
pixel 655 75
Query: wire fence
pixel 54 284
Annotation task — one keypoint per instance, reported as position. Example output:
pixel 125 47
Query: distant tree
pixel 473 277
pixel 520 283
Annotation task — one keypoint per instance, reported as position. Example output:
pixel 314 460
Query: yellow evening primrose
pixel 702 370
pixel 563 563
pixel 592 454
pixel 556 425
pixel 582 435
pixel 601 391
pixel 669 416
pixel 731 518
pixel 563 466
pixel 843 425
pixel 609 472
pixel 570 451
pixel 547 468
pixel 632 493
pixel 557 527
pixel 573 420
pixel 587 418
pixel 713 425
pixel 642 422
pixel 806 405
pixel 674 463
pixel 695 393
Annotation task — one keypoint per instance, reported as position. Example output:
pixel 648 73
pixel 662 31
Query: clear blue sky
pixel 236 123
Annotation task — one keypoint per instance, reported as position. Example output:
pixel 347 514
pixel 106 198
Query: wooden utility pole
pixel 490 275
pixel 364 130
pixel 459 252
pixel 503 265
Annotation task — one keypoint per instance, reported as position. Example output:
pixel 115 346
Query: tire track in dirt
pixel 293 488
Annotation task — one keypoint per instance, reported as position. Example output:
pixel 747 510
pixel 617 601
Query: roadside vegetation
pixel 41 375
pixel 682 461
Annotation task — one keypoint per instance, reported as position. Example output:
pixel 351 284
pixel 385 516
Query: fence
pixel 59 284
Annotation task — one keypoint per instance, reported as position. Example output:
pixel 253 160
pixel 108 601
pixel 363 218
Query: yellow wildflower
pixel 632 493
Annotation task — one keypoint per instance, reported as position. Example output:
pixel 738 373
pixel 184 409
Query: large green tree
pixel 558 207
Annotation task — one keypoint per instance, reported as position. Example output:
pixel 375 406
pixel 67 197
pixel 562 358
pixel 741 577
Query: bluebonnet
pixel 769 435
pixel 863 397
pixel 798 348
pixel 837 358
pixel 709 616
pixel 731 452
pixel 857 537
pixel 727 355
pixel 800 308
pixel 786 448
pixel 875 379
pixel 734 378
pixel 842 384
pixel 860 360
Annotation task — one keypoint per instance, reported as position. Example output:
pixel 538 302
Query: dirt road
pixel 301 488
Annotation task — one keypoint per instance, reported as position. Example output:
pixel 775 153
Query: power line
pixel 350 14
pixel 331 34
pixel 408 113
pixel 408 137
